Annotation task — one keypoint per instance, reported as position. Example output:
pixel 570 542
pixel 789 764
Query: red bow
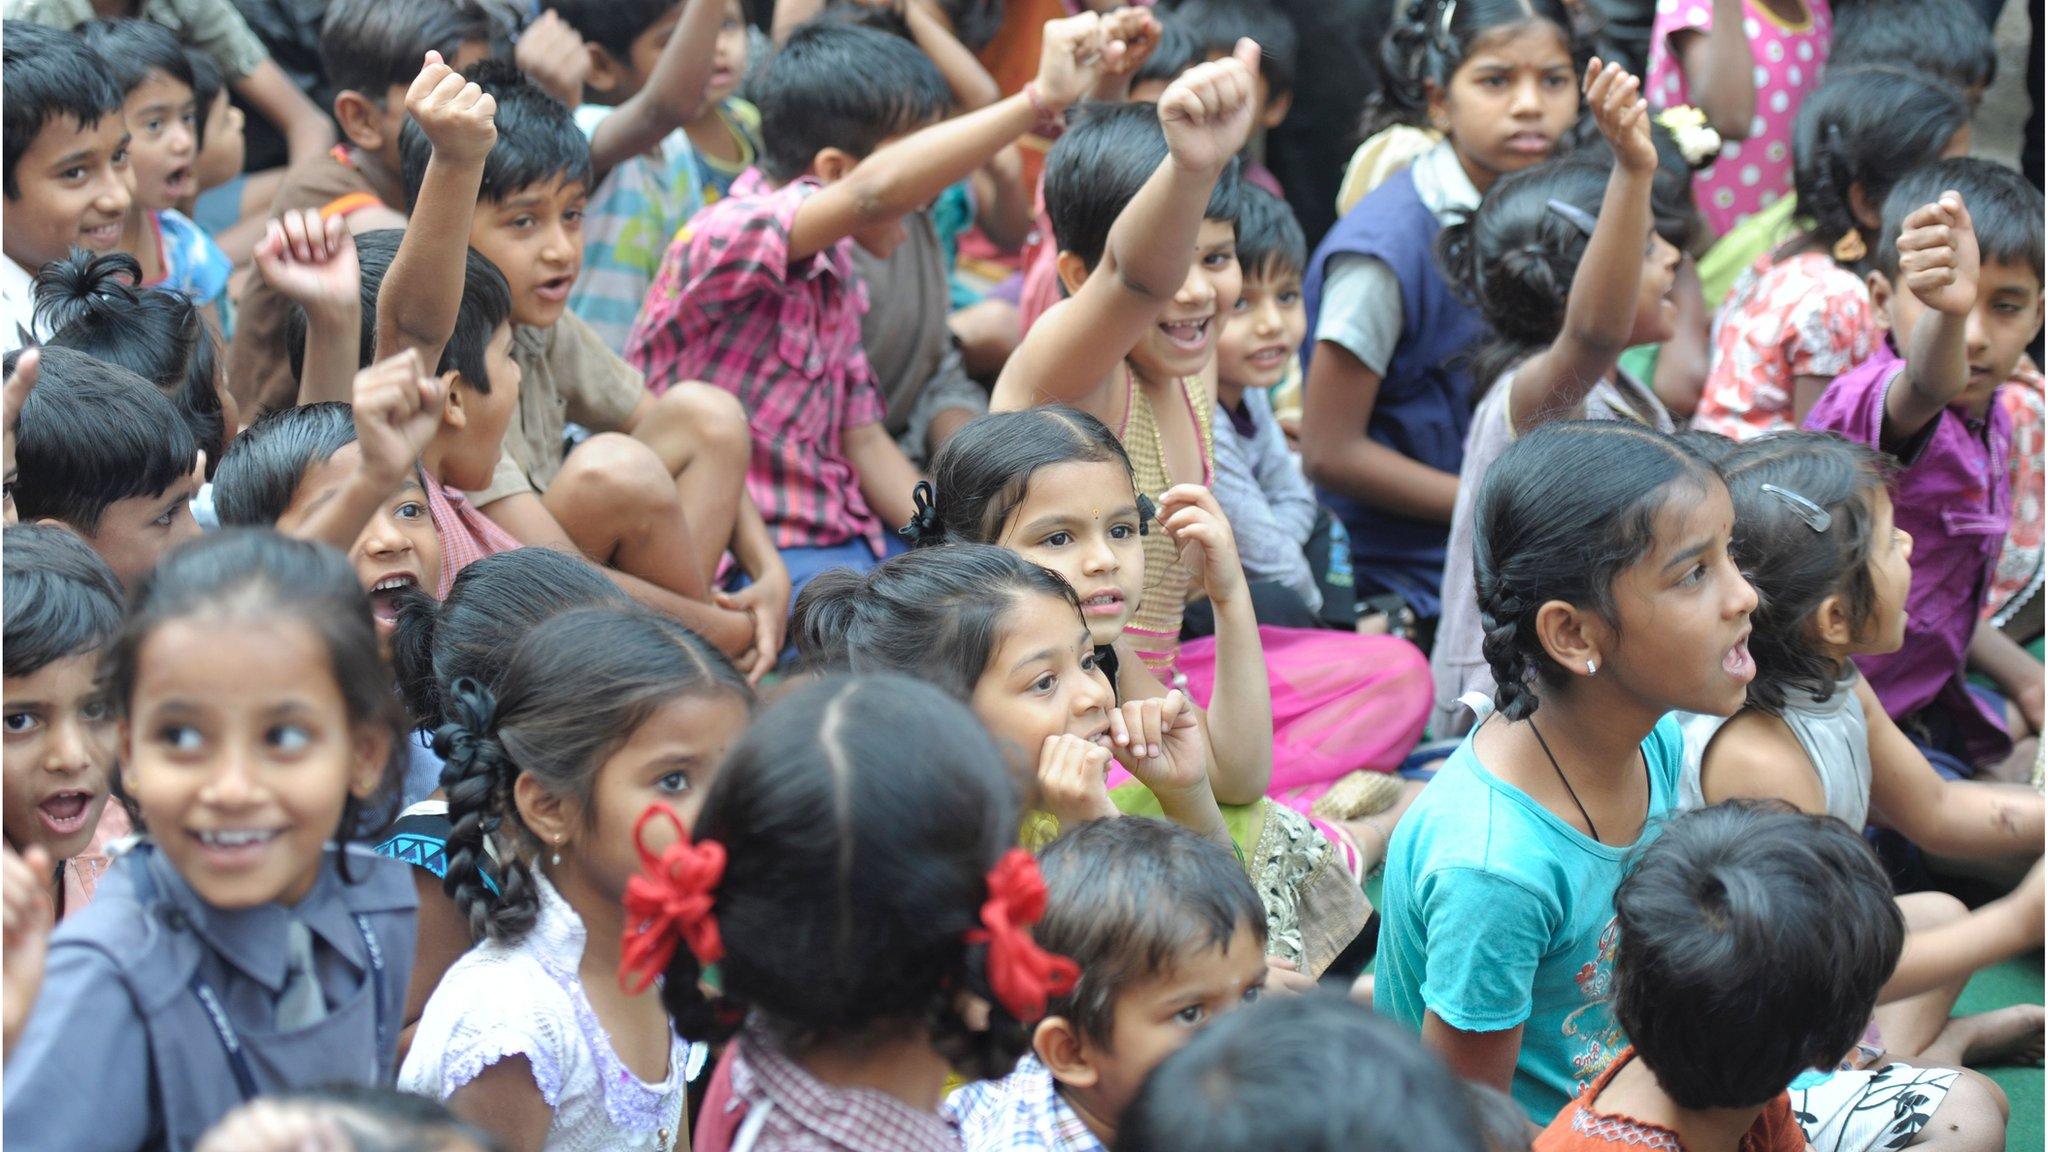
pixel 670 901
pixel 1020 973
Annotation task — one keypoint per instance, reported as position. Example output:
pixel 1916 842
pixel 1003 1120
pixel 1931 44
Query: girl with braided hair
pixel 1609 599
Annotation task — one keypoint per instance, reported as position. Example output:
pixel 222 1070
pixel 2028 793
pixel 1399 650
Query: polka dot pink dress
pixel 1755 173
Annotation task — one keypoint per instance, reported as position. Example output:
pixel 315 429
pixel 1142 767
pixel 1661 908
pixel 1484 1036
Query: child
pixel 1959 281
pixel 345 1119
pixel 651 63
pixel 63 607
pixel 657 494
pixel 1831 572
pixel 67 164
pixel 1388 398
pixel 854 877
pixel 599 713
pixel 155 78
pixel 1724 1007
pixel 1168 936
pixel 369 51
pixel 1565 265
pixel 1609 599
pixel 107 455
pixel 725 135
pixel 221 144
pixel 757 295
pixel 1802 316
pixel 1313 1073
pixel 240 951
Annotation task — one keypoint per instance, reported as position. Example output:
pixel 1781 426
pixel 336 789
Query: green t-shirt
pixel 1497 913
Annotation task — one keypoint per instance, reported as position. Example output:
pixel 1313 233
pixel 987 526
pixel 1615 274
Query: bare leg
pixel 1971 1118
pixel 618 503
pixel 1910 1025
pixel 700 434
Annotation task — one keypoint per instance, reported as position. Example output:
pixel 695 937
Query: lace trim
pixel 469 1052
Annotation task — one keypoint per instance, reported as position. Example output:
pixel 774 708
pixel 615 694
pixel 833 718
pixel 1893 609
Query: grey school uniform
pixel 121 1053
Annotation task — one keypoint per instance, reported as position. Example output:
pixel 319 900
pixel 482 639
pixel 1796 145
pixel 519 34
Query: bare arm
pixel 1683 360
pixel 505 1101
pixel 1938 263
pixel 397 410
pixel 307 130
pixel 886 474
pixel 972 86
pixel 1998 931
pixel 1756 757
pixel 2011 667
pixel 417 304
pixel 1241 740
pixel 791 13
pixel 312 263
pixel 1720 71
pixel 673 95
pixel 1958 818
pixel 1482 1057
pixel 1002 203
pixel 1338 455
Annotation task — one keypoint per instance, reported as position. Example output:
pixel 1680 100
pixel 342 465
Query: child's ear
pixel 832 164
pixel 1072 270
pixel 548 816
pixel 1573 637
pixel 1060 1048
pixel 604 70
pixel 1869 218
pixel 373 752
pixel 454 416
pixel 1880 298
pixel 1832 624
pixel 362 121
pixel 1277 107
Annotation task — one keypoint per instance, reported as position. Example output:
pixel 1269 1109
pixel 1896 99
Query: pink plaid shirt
pixel 786 1109
pixel 467 535
pixel 730 308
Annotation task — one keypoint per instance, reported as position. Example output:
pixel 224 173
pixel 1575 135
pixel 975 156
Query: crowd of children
pixel 845 575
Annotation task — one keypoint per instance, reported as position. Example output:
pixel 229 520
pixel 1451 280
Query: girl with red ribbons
pixel 853 892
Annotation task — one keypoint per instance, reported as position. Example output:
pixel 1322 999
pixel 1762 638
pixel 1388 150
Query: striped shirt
pixel 1022 1112
pixel 637 209
pixel 730 308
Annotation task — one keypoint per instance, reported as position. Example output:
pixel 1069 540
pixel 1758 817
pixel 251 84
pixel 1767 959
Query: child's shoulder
pixel 1017 1113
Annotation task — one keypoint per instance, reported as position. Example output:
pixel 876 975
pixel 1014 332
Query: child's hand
pixel 458 118
pixel 311 262
pixel 1070 58
pixel 1195 523
pixel 1285 978
pixel 1616 101
pixel 1207 112
pixel 25 945
pixel 553 56
pixel 276 1126
pixel 19 385
pixel 765 600
pixel 1073 779
pixel 397 409
pixel 1159 740
pixel 1138 31
pixel 1938 255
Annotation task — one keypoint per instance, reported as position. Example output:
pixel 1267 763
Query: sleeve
pixel 507 479
pixel 1280 478
pixel 738 251
pixel 1486 935
pixel 1361 309
pixel 601 390
pixel 217 29
pixel 1827 329
pixel 482 1015
pixel 1853 408
pixel 85 1048
pixel 1265 547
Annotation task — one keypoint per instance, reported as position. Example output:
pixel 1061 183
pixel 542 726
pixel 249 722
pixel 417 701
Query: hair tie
pixel 1698 143
pixel 1020 973
pixel 924 527
pixel 1816 517
pixel 474 712
pixel 670 901
pixel 1147 513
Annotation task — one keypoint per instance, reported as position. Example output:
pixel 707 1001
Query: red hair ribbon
pixel 1020 973
pixel 670 901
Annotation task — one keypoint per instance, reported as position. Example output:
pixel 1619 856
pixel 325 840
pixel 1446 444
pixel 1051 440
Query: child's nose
pixel 70 749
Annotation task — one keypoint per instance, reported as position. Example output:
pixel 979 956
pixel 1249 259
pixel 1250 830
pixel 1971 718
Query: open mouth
pixel 554 291
pixel 1187 335
pixel 1101 737
pixel 1109 603
pixel 103 236
pixel 1529 144
pixel 1271 357
pixel 1738 663
pixel 64 813
pixel 387 594
pixel 178 181
pixel 234 847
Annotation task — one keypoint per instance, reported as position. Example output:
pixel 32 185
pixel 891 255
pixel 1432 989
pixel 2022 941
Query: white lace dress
pixel 527 1000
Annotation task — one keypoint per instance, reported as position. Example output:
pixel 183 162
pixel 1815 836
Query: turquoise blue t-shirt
pixel 1497 913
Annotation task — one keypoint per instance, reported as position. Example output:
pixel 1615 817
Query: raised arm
pixel 1207 115
pixel 1241 703
pixel 312 263
pixel 1720 71
pixel 673 95
pixel 1600 309
pixel 972 86
pixel 1938 263
pixel 417 304
pixel 907 174
pixel 397 406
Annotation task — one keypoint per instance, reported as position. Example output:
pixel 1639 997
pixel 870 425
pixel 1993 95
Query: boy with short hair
pixel 104 453
pixel 1168 934
pixel 370 50
pixel 66 179
pixel 758 295
pixel 726 133
pixel 657 494
pixel 1959 279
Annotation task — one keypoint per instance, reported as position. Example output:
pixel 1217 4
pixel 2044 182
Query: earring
pixel 1592 669
pixel 556 859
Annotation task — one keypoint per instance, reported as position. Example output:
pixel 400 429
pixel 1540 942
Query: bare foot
pixel 2003 1036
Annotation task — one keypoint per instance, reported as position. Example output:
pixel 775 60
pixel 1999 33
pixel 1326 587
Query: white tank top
pixel 1834 734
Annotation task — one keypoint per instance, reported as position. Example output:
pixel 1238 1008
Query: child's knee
pixel 615 478
pixel 716 418
pixel 1970 1118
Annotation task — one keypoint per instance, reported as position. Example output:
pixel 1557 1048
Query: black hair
pixel 860 818
pixel 1673 212
pixel 1311 1073
pixel 1793 566
pixel 61 599
pixel 92 304
pixel 91 434
pixel 1217 25
pixel 1547 528
pixel 936 613
pixel 1270 243
pixel 1752 942
pixel 538 139
pixel 388 1120
pixel 47 73
pixel 491 604
pixel 807 105
pixel 613 25
pixel 486 306
pixel 1431 39
pixel 1105 156
pixel 133 49
pixel 238 575
pixel 2005 211
pixel 1515 258
pixel 1129 900
pixel 1865 126
pixel 369 46
pixel 1177 51
pixel 207 86
pixel 983 473
pixel 1503 1126
pixel 266 462
pixel 569 693
pixel 1944 38
pixel 975 22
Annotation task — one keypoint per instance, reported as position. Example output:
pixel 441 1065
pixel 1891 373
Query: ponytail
pixel 477 776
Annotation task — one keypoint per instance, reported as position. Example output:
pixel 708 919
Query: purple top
pixel 1953 494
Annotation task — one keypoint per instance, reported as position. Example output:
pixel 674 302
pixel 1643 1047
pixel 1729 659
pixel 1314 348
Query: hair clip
pixel 1573 215
pixel 1443 27
pixel 1147 513
pixel 1816 517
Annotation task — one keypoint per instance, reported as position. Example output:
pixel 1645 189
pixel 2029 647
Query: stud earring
pixel 1592 669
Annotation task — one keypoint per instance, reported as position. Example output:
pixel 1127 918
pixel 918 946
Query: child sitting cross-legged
pixel 1169 936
